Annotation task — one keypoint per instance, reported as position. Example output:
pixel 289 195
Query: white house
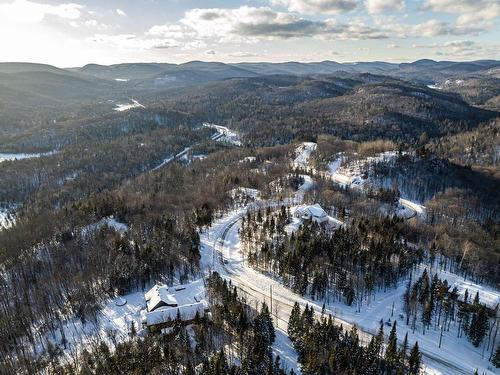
pixel 313 212
pixel 164 303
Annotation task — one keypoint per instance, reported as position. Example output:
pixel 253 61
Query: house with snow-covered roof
pixel 312 212
pixel 164 304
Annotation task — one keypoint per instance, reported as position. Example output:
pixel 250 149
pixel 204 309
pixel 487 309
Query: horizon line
pixel 251 62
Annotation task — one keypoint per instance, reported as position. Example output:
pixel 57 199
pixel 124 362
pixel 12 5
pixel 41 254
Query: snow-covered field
pixel 127 106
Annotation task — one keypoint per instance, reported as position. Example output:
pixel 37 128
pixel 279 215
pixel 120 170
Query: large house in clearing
pixel 164 304
pixel 313 212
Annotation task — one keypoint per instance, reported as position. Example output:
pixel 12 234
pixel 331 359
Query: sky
pixel 70 34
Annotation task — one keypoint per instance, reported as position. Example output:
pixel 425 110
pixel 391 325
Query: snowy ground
pixel 248 159
pixel 221 252
pixel 190 298
pixel 179 155
pixel 297 222
pixel 418 208
pixel 6 217
pixel 351 175
pixel 224 134
pixel 435 87
pixel 163 163
pixel 303 154
pixel 110 222
pixel 249 282
pixel 113 323
pixel 457 352
pixel 20 156
pixel 127 106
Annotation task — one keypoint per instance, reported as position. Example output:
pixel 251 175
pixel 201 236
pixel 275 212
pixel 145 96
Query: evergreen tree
pixel 294 322
pixel 414 360
pixel 379 339
pixel 307 319
pixel 427 313
pixel 476 300
pixel 391 352
pixel 478 326
pixel 266 321
pixel 403 350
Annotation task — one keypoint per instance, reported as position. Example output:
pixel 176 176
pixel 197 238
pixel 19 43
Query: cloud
pixel 173 31
pixel 483 15
pixel 433 28
pixel 121 12
pixel 461 49
pixel 242 54
pixel 69 18
pixel 469 11
pixel 201 28
pixel 27 12
pixel 91 24
pixel 459 44
pixel 379 6
pixel 457 6
pixel 317 6
pixel 252 24
pixel 133 42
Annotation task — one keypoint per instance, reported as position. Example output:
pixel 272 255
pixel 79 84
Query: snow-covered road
pixel 221 253
pixel 221 249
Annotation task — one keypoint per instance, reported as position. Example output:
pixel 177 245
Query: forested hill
pixel 362 100
pixel 277 109
pixel 346 188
